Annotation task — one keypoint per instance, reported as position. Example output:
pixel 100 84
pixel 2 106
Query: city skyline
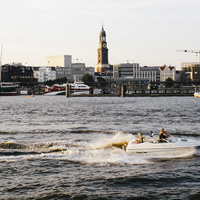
pixel 147 32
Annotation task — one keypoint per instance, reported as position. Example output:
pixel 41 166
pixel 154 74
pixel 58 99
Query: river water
pixel 69 148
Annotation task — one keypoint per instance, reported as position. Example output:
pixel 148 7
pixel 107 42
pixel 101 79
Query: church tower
pixel 102 52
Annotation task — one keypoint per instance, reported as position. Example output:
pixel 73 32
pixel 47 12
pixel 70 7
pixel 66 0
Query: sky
pixel 148 32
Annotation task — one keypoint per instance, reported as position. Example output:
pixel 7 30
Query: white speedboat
pixel 172 146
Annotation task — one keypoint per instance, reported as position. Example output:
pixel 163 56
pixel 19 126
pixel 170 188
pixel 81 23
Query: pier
pixel 120 91
pixel 161 92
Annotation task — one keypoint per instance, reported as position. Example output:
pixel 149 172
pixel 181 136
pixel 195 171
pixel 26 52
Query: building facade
pixel 150 73
pixel 44 74
pixel 91 71
pixel 167 72
pixel 193 69
pixel 77 71
pixel 102 62
pixel 133 70
pixel 126 70
pixel 16 72
pixel 59 61
pixel 62 72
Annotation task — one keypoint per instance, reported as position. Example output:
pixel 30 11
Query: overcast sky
pixel 143 31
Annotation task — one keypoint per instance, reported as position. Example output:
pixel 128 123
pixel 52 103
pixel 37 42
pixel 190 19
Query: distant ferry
pixel 76 89
pixel 8 88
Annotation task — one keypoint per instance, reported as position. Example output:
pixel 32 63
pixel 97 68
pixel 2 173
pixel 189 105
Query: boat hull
pixel 171 148
pixel 64 93
pixel 8 89
pixel 55 93
pixel 8 93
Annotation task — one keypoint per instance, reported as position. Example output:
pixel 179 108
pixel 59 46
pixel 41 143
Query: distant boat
pixel 31 95
pixel 196 94
pixel 76 88
pixel 8 88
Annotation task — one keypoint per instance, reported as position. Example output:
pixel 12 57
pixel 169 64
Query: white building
pixel 59 61
pixel 44 73
pixel 167 72
pixel 75 72
pixel 51 73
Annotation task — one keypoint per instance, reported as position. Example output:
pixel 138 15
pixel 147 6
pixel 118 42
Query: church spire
pixel 102 26
pixel 102 35
pixel 102 51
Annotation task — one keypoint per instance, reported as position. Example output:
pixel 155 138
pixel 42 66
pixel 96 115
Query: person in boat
pixel 140 138
pixel 124 146
pixel 162 136
pixel 167 136
pixel 136 141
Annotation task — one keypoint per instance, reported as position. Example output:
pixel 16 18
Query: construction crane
pixel 197 52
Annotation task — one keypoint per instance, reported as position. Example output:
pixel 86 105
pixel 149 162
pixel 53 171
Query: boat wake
pixel 102 151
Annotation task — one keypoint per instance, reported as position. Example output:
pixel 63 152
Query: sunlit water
pixel 70 148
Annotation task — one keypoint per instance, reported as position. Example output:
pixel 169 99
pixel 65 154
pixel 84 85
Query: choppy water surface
pixel 59 148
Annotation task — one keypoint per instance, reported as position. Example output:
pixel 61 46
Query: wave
pixel 12 145
pixel 140 180
pixel 193 196
pixel 59 131
pixel 197 134
pixel 85 131
pixel 8 132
